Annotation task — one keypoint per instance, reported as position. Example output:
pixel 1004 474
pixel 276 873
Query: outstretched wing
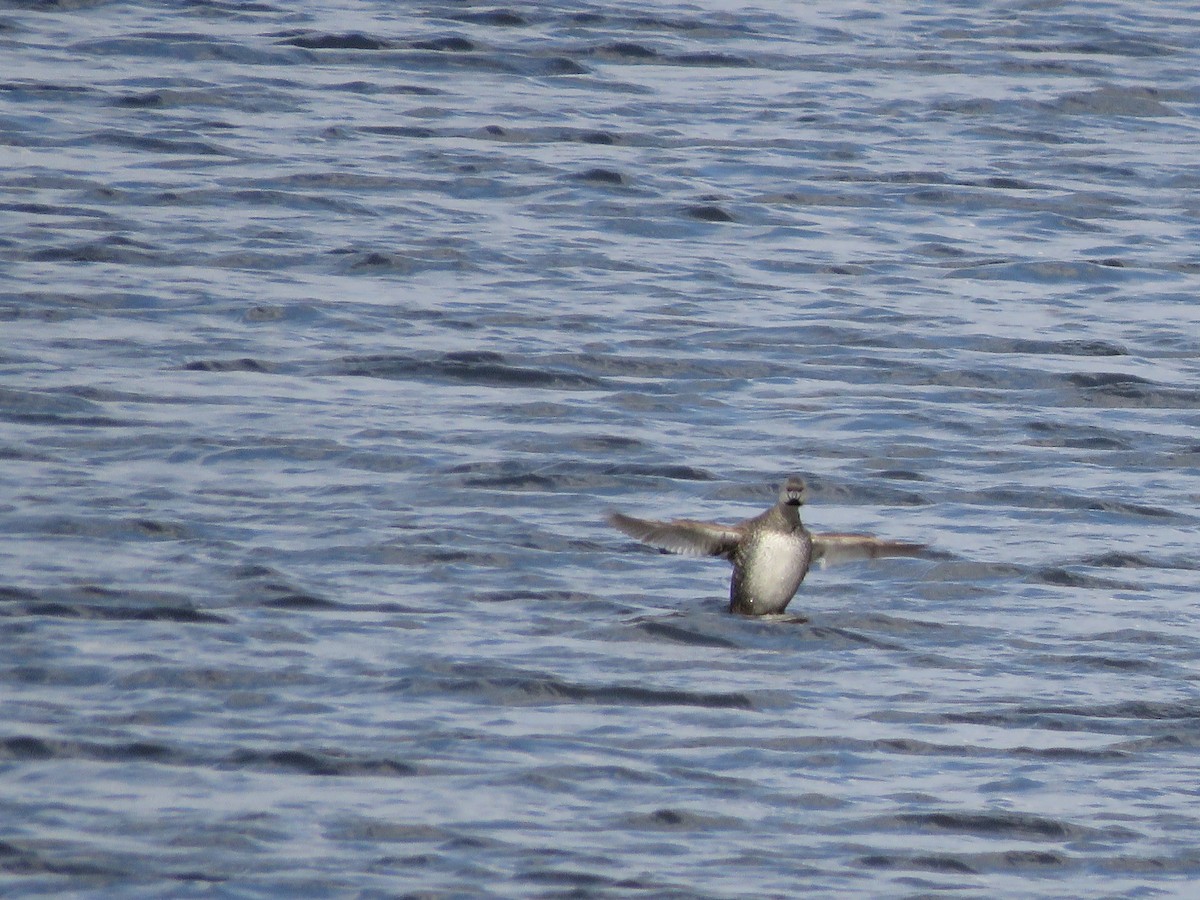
pixel 834 548
pixel 682 536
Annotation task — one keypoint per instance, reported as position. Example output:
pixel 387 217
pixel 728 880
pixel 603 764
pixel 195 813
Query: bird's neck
pixel 789 515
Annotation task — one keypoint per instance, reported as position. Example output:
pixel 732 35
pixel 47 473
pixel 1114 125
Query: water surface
pixel 329 334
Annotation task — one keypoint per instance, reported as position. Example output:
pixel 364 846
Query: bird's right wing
pixel 834 548
pixel 682 536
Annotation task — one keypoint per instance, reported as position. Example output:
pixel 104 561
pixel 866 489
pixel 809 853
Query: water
pixel 331 333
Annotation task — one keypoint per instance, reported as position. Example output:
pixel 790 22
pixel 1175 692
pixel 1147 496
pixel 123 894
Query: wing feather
pixel 832 548
pixel 683 536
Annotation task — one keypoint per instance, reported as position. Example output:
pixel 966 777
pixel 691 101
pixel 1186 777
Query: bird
pixel 771 552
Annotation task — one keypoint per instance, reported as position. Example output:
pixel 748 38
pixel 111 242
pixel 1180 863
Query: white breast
pixel 769 569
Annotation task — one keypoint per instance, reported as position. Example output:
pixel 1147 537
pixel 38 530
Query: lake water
pixel 329 334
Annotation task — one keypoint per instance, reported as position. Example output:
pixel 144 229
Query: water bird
pixel 771 553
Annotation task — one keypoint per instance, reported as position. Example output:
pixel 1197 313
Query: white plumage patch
pixel 774 568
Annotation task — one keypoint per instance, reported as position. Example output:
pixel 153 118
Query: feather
pixel 683 536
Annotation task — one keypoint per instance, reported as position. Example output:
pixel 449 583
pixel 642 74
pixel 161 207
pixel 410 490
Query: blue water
pixel 328 335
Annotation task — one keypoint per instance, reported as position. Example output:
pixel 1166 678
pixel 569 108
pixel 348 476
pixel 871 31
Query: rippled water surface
pixel 330 334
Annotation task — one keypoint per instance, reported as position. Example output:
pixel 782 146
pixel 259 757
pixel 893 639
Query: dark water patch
pixel 24 748
pixel 1173 742
pixel 267 588
pixel 1188 457
pixel 605 443
pixel 368 87
pixel 847 637
pixel 941 251
pixel 929 863
pixel 1134 710
pixel 411 552
pixel 902 475
pixel 1104 42
pixel 1071 662
pixel 326 764
pixel 1050 348
pixel 1079 437
pixel 51 406
pixel 678 820
pixel 675 473
pixel 678 634
pixel 59 674
pixel 601 176
pixel 1119 390
pixel 657 372
pixel 498 18
pixel 881 622
pixel 710 59
pixel 149 100
pixel 48 209
pixel 529 135
pixel 1137 636
pixel 627 51
pixel 158 529
pixel 104 528
pixel 569 777
pixel 1043 272
pixel 1105 379
pixel 1032 862
pixel 818 198
pixel 707 212
pixel 508 475
pixel 562 65
pixel 469 367
pixel 1010 825
pixel 151 144
pixel 583 883
pixel 299 601
pixel 1035 859
pixel 399 131
pixel 914 747
pixel 1066 578
pixel 265 197
pixel 531 596
pixel 255 570
pixel 513 688
pixel 18 860
pixel 1041 499
pixel 1118 719
pixel 525 475
pixel 446 44
pixel 101 603
pixel 106 250
pixel 389 832
pixel 603 138
pixel 1121 559
pixel 916 176
pixel 245 364
pixel 1112 100
pixel 211 679
pixel 870 494
pixel 116 613
pixel 23 454
pixel 347 41
pixel 43 90
pixel 1004 183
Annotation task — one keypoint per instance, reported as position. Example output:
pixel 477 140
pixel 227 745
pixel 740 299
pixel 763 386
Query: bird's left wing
pixel 833 548
pixel 683 536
